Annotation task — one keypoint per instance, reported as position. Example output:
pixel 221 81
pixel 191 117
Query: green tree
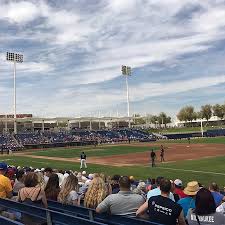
pixel 218 110
pixel 148 118
pixel 138 120
pixel 199 115
pixel 187 114
pixel 163 119
pixel 154 120
pixel 206 111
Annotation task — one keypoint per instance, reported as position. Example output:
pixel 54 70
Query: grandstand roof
pixel 65 119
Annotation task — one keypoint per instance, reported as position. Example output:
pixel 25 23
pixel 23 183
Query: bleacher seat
pixel 6 221
pixel 50 216
pixel 91 215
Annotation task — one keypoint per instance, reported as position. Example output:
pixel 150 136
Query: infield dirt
pixel 173 153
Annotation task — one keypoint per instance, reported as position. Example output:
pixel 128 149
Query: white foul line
pixel 193 171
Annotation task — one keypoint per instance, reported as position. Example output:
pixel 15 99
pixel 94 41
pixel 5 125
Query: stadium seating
pixel 7 141
pixel 79 137
pixel 31 138
pixel 67 214
pixel 91 215
pixel 215 133
pixel 45 214
pixel 6 221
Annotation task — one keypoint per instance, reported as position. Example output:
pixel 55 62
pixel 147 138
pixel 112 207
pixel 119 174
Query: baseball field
pixel 202 160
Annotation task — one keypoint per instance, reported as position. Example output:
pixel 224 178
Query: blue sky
pixel 73 52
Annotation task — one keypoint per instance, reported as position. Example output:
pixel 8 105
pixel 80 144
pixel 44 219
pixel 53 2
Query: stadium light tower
pixel 126 71
pixel 15 58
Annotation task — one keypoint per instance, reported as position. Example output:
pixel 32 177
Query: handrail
pixel 7 221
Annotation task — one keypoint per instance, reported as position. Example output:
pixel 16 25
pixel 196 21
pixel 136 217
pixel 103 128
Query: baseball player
pixel 153 157
pixel 83 158
pixel 162 153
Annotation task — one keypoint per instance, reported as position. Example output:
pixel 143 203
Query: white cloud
pixel 34 67
pixel 145 90
pixel 83 45
pixel 19 12
pixel 86 100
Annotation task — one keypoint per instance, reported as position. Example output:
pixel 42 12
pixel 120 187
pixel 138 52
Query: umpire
pixel 153 156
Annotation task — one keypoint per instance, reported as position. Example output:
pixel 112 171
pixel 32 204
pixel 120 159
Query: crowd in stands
pixel 157 200
pixel 8 142
pixel 48 137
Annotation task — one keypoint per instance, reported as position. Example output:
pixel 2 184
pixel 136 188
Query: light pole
pixel 126 71
pixel 15 58
pixel 202 131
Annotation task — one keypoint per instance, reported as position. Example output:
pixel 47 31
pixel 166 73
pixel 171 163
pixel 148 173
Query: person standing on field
pixel 162 153
pixel 153 156
pixel 83 158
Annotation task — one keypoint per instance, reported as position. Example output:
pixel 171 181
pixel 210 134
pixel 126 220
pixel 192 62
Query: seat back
pixel 92 215
pixel 6 221
pixel 50 216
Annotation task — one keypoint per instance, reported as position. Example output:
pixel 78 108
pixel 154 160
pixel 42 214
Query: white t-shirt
pixel 221 208
pixel 46 178
pixel 72 197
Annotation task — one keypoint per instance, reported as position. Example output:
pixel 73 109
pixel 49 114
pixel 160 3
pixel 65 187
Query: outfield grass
pixel 185 170
pixel 94 151
pixel 204 170
pixel 215 140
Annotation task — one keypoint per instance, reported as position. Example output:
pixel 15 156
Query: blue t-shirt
pixel 217 198
pixel 187 203
pixel 156 192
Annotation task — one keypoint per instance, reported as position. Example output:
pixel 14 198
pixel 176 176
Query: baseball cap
pixel 3 166
pixel 178 182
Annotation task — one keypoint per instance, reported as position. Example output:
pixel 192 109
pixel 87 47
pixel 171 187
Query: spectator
pixel 175 195
pixel 108 187
pixel 141 190
pixel 95 194
pixel 41 180
pixel 189 202
pixel 83 177
pixel 218 198
pixel 205 211
pixel 156 191
pixel 179 188
pixel 32 194
pixel 52 188
pixel 48 172
pixel 124 203
pixel 11 175
pixel 19 182
pixel 161 208
pixel 115 184
pixel 134 183
pixel 5 184
pixel 154 185
pixel 69 193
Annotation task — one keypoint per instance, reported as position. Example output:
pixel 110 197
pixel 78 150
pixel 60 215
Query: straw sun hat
pixel 192 188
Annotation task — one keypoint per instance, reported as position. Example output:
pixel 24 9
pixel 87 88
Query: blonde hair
pixel 71 184
pixel 41 180
pixel 95 193
pixel 108 186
